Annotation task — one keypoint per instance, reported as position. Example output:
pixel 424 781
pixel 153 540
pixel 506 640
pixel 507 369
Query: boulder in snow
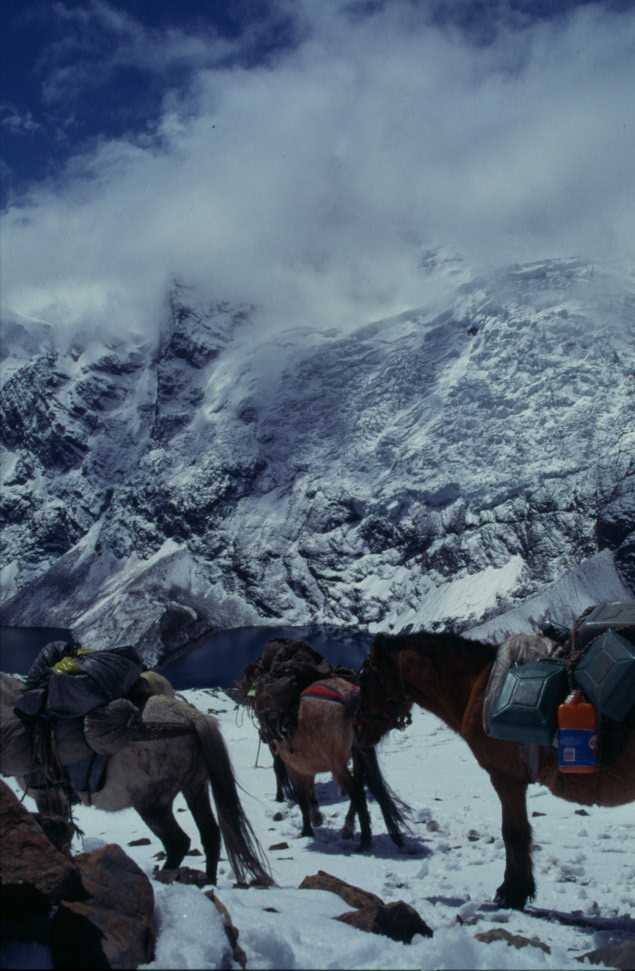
pixel 113 925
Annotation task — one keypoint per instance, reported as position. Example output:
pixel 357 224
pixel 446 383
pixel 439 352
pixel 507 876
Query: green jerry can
pixel 606 671
pixel 527 704
pixel 606 674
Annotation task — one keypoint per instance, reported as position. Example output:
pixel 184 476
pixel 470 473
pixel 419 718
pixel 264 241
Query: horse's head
pixel 384 704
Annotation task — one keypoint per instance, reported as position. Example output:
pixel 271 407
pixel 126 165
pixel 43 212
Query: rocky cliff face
pixel 446 465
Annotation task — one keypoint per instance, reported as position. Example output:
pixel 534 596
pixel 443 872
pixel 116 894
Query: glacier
pixel 469 462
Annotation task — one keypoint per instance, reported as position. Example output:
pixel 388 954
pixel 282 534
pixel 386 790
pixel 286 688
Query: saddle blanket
pixel 324 692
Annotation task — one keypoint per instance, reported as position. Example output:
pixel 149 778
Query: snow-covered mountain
pixel 469 460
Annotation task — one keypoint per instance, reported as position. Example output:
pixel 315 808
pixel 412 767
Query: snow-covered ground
pixel 452 864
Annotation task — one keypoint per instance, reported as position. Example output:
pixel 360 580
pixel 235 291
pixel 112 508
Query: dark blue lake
pixel 19 646
pixel 219 659
pixel 215 660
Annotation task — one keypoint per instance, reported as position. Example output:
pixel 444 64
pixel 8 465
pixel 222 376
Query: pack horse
pixel 324 741
pixel 448 675
pixel 147 774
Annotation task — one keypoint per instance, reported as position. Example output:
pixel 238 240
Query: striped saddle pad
pixel 325 692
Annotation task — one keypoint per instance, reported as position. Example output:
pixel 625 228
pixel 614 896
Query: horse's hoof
pixel 347 834
pixel 262 882
pixel 512 899
pixel 307 832
pixel 318 819
pixel 364 846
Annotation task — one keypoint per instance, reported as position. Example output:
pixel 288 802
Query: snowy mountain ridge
pixel 441 466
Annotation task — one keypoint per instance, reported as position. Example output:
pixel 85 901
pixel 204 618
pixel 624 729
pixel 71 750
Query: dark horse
pixel 447 675
pixel 324 741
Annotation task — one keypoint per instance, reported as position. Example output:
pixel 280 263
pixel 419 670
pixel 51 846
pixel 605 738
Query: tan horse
pixel 324 742
pixel 447 675
pixel 147 775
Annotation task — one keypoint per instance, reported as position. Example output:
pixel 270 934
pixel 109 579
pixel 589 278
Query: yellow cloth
pixel 68 665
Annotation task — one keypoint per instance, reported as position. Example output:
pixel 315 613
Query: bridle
pixel 391 714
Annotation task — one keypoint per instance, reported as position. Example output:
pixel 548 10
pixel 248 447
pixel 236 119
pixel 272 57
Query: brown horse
pixel 447 675
pixel 324 742
pixel 147 775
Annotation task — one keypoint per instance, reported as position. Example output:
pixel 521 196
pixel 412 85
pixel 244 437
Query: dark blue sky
pixel 78 71
pixel 40 128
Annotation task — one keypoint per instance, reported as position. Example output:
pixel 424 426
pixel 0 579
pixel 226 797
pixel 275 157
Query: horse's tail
pixel 243 850
pixel 352 703
pixel 394 810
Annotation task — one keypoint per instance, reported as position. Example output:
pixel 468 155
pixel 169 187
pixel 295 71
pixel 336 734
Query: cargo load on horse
pixel 273 684
pixel 577 694
pixel 77 707
pixel 604 640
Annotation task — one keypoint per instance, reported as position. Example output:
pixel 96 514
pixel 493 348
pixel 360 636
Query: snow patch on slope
pixel 594 581
pixel 466 597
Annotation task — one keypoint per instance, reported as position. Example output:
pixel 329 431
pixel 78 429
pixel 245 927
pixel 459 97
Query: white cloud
pixel 16 122
pixel 310 185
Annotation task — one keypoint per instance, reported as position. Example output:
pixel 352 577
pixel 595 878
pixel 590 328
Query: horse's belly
pixel 304 761
pixel 144 774
pixel 611 785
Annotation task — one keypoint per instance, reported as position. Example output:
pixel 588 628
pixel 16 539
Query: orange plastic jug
pixel 577 735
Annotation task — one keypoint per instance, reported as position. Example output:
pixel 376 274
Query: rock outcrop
pixel 113 926
pixel 34 874
pixel 93 910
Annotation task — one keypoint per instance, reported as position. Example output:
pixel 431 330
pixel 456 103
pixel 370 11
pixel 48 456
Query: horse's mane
pixel 445 644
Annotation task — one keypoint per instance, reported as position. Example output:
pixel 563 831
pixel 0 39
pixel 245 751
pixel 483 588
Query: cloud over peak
pixel 310 182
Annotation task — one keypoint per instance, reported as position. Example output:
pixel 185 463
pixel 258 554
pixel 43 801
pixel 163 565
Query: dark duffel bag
pixel 99 676
pixel 104 675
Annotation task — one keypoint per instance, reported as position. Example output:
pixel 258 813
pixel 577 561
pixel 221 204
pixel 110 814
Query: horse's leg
pixel 198 801
pixel 160 819
pixel 353 786
pixel 316 816
pixel 518 884
pixel 348 829
pixel 366 767
pixel 302 785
